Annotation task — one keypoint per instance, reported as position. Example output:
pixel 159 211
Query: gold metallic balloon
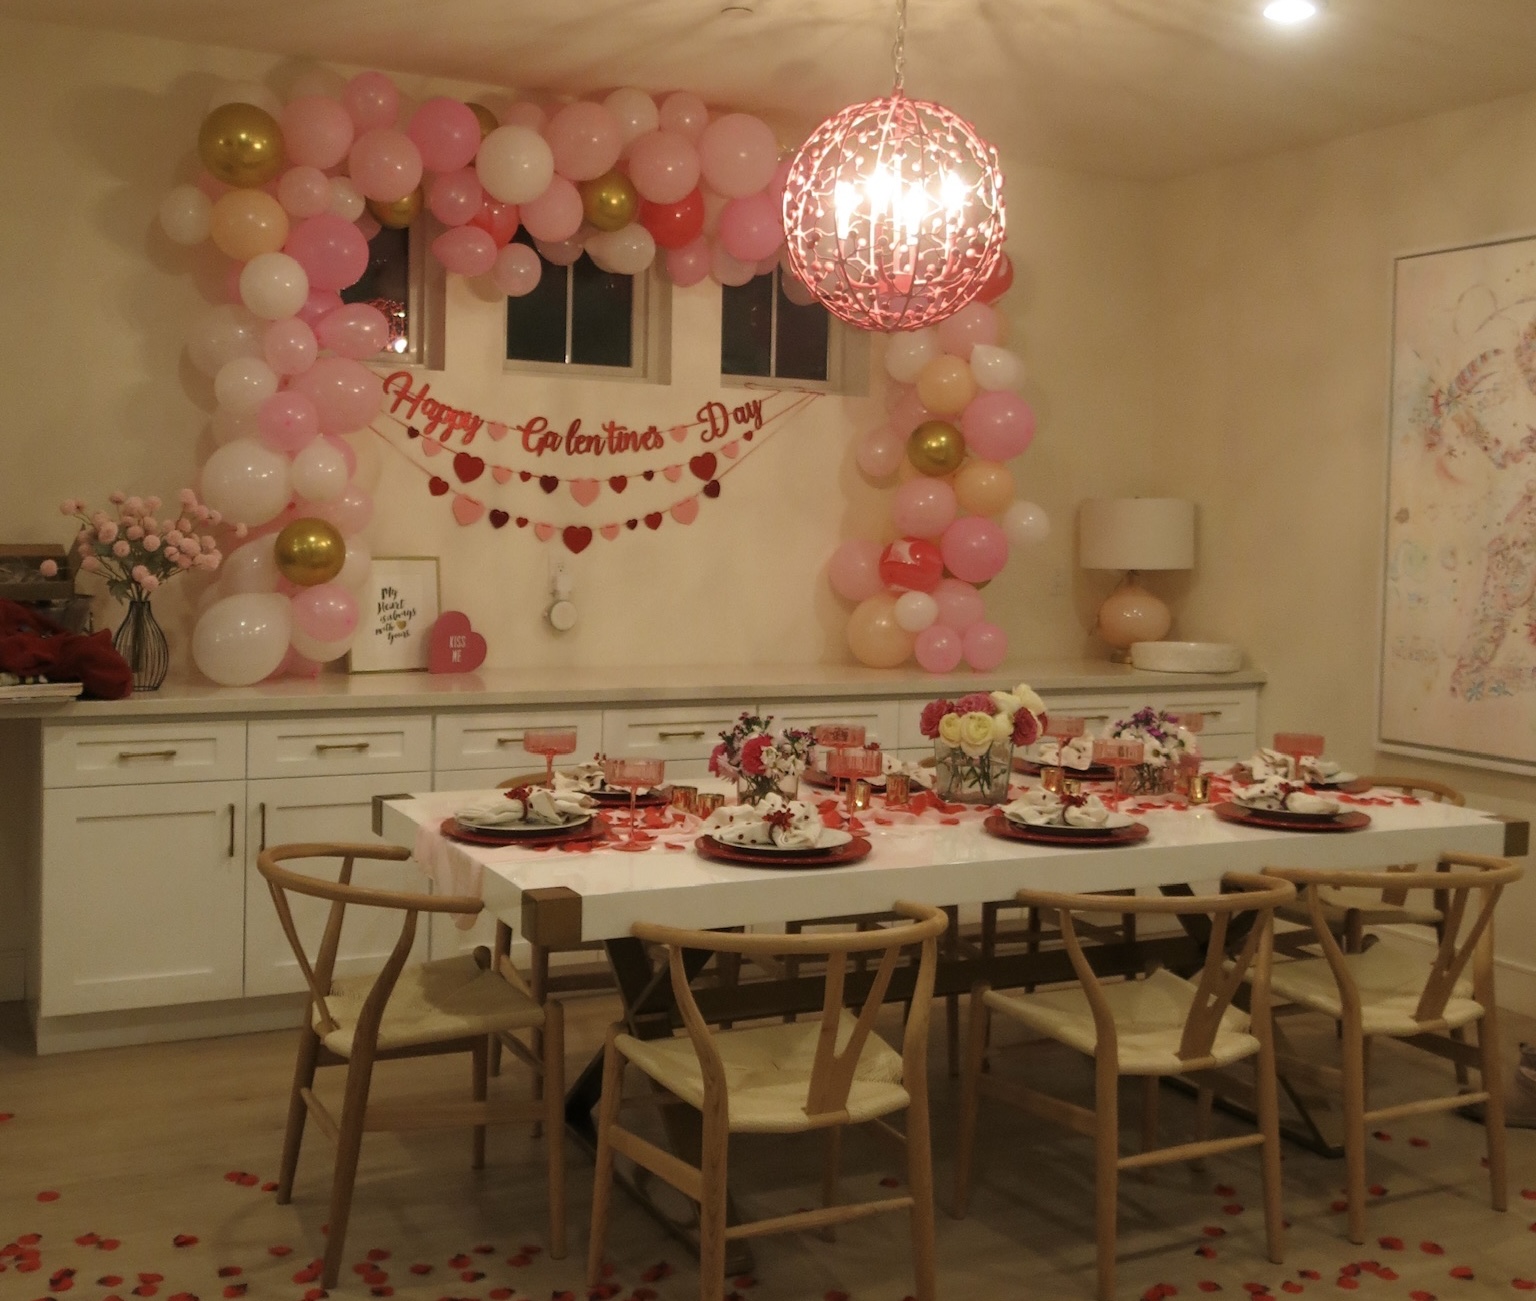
pixel 310 552
pixel 936 448
pixel 609 202
pixel 241 145
pixel 487 120
pixel 399 213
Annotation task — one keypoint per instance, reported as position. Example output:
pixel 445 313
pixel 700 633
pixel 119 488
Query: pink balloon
pixel 585 140
pixel 326 612
pixel 879 452
pixel 317 131
pixel 350 512
pixel 854 570
pixel 319 302
pixel 331 250
pixel 960 604
pixel 294 665
pixel 446 133
pixel 908 414
pixel 288 421
pixel 683 113
pixel 357 330
pixel 345 448
pixel 289 346
pixel 368 226
pixel 556 214
pixel 985 646
pixel 560 253
pixel 938 649
pixel 972 324
pixel 728 270
pixel 974 548
pixel 664 167
pixel 998 426
pixel 923 507
pixel 780 180
pixel 346 394
pixel 304 191
pixel 384 164
pixel 690 264
pixel 372 101
pixel 752 228
pixel 455 197
pixel 517 270
pixel 737 155
pixel 465 250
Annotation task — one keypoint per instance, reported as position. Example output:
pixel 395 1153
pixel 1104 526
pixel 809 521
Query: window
pixel 764 335
pixel 408 287
pixel 580 319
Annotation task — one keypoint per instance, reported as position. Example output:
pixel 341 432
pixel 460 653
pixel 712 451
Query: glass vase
pixel 141 641
pixel 750 789
pixel 1148 779
pixel 963 778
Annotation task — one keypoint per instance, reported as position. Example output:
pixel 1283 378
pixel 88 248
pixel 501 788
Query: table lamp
pixel 1135 534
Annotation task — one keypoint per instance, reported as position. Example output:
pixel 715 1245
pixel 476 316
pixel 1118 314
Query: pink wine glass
pixel 633 775
pixel 1120 756
pixel 833 738
pixel 1064 727
pixel 550 741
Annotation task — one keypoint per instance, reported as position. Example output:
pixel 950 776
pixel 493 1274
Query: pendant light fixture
pixel 893 210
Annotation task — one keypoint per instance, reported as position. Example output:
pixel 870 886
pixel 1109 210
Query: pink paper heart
pixel 585 491
pixel 431 447
pixel 686 511
pixel 496 430
pixel 678 432
pixel 466 509
pixel 609 531
pixel 730 449
pixel 673 473
pixel 453 646
pixel 501 473
pixel 543 532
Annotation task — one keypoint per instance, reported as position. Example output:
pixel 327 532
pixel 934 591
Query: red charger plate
pixel 1094 772
pixel 594 829
pixel 719 852
pixel 999 826
pixel 1271 820
pixel 655 798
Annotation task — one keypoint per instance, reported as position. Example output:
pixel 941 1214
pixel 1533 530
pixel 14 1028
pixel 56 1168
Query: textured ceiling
pixel 1148 88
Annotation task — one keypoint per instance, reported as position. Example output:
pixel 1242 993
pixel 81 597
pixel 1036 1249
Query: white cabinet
pixel 143 895
pixel 683 734
pixel 879 718
pixel 493 742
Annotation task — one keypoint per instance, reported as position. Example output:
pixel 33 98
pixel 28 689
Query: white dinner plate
pixel 831 838
pixel 1111 823
pixel 523 828
pixel 1287 813
pixel 1338 779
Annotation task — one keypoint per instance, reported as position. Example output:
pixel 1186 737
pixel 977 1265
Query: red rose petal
pixel 1291 1285
pixel 519 1260
pixel 499 1293
pixel 1390 1244
pixel 1214 1231
pixel 1233 1208
pixel 1224 1190
pixel 421 1269
pixel 1462 1272
pixel 1339 1206
pixel 1349 1284
pixel 1416 1141
pixel 1309 1273
pixel 378 1253
pixel 1387 1275
pixel 230 1271
pixel 460 1261
pixel 109 1280
pixel 1207 1285
pixel 235 1290
pixel 108 1244
pixel 48 1196
pixel 184 1240
pixel 279 1251
pixel 1523 1284
pixel 1381 1136
pixel 1377 1190
pixel 7 1115
pixel 1206 1251
pixel 1421 1295
pixel 86 1240
pixel 1528 1193
pixel 270 1187
pixel 1431 1248
pixel 485 1249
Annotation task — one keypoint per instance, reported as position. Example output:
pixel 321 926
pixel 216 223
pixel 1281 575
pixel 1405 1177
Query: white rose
pixel 1002 727
pixel 1006 701
pixel 975 734
pixel 1029 699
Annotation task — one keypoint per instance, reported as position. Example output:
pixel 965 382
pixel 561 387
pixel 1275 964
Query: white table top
pixel 930 863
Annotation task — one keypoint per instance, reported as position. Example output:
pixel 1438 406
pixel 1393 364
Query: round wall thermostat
pixel 562 615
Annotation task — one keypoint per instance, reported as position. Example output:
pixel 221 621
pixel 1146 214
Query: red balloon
pixel 496 219
pixel 674 225
pixel 998 283
pixel 911 565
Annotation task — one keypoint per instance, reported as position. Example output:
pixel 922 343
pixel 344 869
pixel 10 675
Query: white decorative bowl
pixel 1187 656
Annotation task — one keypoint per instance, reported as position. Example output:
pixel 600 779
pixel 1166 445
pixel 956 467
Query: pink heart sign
pixel 454 647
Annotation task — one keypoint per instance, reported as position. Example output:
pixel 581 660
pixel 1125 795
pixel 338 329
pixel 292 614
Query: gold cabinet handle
pixel 324 747
pixel 145 754
pixel 691 734
pixel 509 740
pixel 230 852
pixel 262 808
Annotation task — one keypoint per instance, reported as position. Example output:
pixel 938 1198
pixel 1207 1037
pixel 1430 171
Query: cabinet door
pixel 289 810
pixel 143 895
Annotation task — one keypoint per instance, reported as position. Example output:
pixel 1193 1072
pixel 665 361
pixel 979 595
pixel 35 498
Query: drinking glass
pixel 633 775
pixel 860 763
pixel 832 737
pixel 1064 727
pixel 550 741
pixel 1297 746
pixel 1120 756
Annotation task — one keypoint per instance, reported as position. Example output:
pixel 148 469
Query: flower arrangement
pixel 138 551
pixel 974 739
pixel 759 762
pixel 1164 740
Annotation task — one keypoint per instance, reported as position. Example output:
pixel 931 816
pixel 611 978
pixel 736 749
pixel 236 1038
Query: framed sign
pixel 397 609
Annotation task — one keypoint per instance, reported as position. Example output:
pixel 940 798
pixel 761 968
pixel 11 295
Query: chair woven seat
pixel 1390 984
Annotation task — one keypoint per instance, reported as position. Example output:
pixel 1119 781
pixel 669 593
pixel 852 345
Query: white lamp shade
pixel 1136 533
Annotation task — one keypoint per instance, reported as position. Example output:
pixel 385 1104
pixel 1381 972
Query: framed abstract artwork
pixel 396 610
pixel 1458 648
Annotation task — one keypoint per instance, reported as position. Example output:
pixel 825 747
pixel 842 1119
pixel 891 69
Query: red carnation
pixel 978 702
pixel 752 754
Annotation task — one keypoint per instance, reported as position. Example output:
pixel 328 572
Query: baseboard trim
pixel 13 975
pixel 1514 979
pixel 66 1034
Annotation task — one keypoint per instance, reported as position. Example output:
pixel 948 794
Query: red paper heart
pixel 412 432
pixel 703 465
pixel 524 476
pixel 577 537
pixel 711 489
pixel 436 486
pixel 453 646
pixel 648 475
pixel 499 519
pixel 521 521
pixel 619 482
pixel 631 523
pixel 653 520
pixel 468 467
pixel 548 482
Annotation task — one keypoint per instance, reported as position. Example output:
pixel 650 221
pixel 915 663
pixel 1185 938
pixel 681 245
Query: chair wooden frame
pixel 1457 878
pixel 830 1081
pixel 1215 988
pixel 357 1116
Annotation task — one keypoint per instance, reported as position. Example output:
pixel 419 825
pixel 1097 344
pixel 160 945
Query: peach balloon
pixel 874 635
pixel 945 385
pixel 972 324
pixel 983 487
pixel 245 223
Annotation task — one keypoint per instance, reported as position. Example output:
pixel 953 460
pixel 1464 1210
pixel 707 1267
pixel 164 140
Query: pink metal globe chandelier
pixel 893 210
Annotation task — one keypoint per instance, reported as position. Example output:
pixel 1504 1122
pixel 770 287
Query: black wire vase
pixel 141 641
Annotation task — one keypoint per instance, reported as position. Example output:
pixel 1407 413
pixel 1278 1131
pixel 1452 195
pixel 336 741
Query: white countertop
pixel 513 688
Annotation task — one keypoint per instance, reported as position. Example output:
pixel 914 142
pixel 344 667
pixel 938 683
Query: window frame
pixel 648 322
pixel 839 354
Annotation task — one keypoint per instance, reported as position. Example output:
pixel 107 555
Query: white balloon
pixel 916 611
pixel 515 164
pixel 185 213
pixel 250 568
pixel 245 92
pixel 355 568
pixel 346 199
pixel 322 652
pixel 246 482
pixel 370 461
pixel 243 638
pixel 1025 523
pixel 907 353
pixel 223 333
pixel 634 111
pixel 273 285
pixel 627 251
pixel 728 270
pixel 996 368
pixel 242 385
pixel 319 472
pixel 227 426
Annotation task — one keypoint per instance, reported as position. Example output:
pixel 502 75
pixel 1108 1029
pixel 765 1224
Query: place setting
pixel 1046 817
pixel 590 778
pixel 777 833
pixel 1298 757
pixel 529 817
pixel 1278 804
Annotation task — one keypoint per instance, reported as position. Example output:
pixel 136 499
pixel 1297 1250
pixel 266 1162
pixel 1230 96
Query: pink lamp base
pixel 1130 614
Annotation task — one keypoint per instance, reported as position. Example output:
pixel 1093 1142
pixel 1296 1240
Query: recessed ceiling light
pixel 1290 12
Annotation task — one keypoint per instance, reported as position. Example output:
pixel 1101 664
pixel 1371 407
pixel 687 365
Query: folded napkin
pixel 1265 763
pixel 914 772
pixel 1314 768
pixel 539 805
pixel 583 777
pixel 1076 753
pixel 1042 808
pixel 1277 793
pixel 788 824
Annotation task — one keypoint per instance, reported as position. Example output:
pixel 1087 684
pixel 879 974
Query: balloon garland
pixel 955 421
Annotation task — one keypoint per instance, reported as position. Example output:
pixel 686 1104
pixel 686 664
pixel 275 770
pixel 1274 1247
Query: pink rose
pixel 978 702
pixel 933 711
pixel 752 754
pixel 1026 727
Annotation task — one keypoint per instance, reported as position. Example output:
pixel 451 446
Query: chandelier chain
pixel 899 48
